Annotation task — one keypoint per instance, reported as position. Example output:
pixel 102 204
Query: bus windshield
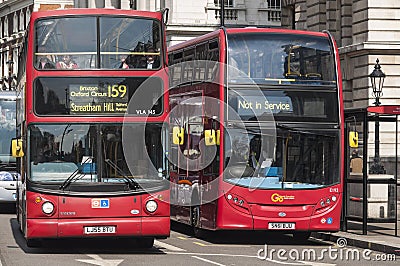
pixel 295 158
pixel 276 58
pixel 7 131
pixel 95 153
pixel 104 42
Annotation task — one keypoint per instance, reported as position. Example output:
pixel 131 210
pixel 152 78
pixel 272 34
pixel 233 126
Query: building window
pixel 5 27
pixel 81 3
pixel 100 3
pixel 27 17
pixel 274 4
pixel 21 20
pixel 116 4
pixel 228 3
pixel 15 23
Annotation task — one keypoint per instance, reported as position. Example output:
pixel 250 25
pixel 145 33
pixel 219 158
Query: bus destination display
pixel 92 98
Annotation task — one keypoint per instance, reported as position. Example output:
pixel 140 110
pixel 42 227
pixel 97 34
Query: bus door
pixel 210 173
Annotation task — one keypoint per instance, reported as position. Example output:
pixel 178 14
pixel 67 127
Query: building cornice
pixel 367 47
pixel 11 6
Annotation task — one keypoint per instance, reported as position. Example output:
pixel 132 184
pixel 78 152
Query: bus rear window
pixel 138 96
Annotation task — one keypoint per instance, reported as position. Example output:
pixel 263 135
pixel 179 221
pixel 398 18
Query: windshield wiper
pixel 131 183
pixel 69 180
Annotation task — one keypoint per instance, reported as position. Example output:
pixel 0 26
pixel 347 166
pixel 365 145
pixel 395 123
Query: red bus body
pixel 83 130
pixel 206 197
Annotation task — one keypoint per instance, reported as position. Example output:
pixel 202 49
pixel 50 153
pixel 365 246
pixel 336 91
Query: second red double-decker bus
pixel 92 86
pixel 257 131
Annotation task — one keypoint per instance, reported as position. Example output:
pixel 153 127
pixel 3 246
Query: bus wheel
pixel 301 235
pixel 146 242
pixel 195 221
pixel 33 243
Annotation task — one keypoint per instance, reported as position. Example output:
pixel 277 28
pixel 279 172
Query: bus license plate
pixel 281 226
pixel 99 229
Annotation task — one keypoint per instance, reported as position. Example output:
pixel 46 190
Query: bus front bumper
pixel 158 227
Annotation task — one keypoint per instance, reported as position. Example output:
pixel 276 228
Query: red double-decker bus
pixel 257 131
pixel 92 87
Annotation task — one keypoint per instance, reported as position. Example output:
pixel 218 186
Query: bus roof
pixel 95 11
pixel 216 33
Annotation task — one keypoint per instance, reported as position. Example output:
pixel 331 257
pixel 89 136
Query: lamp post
pixel 377 78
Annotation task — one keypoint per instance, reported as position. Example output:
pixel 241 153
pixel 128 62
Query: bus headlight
pixel 151 206
pixel 47 207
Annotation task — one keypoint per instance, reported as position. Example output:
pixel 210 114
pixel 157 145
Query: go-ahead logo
pixel 280 198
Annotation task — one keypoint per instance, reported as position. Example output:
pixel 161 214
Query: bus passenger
pixel 356 162
pixel 67 63
pixel 43 61
pixel 127 62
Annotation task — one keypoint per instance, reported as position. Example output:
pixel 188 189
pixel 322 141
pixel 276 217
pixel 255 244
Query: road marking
pixel 317 263
pixel 97 260
pixel 182 238
pixel 167 246
pixel 221 245
pixel 209 261
pixel 248 256
pixel 209 254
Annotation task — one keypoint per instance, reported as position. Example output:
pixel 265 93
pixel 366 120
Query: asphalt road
pixel 228 248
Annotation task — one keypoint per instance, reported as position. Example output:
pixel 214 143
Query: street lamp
pixel 377 78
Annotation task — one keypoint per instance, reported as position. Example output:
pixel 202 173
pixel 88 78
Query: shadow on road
pixel 82 245
pixel 245 237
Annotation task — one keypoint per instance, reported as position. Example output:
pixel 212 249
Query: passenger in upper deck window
pixel 43 62
pixel 67 63
pixel 126 62
pixel 152 61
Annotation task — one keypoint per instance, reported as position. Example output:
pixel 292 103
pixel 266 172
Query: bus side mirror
pixel 353 139
pixel 16 148
pixel 209 137
pixel 177 135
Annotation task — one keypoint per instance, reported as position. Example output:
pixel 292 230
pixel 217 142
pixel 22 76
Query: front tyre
pixel 33 243
pixel 146 242
pixel 301 235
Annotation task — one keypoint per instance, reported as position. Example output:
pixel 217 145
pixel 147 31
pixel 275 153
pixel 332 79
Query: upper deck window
pixel 103 42
pixel 280 58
